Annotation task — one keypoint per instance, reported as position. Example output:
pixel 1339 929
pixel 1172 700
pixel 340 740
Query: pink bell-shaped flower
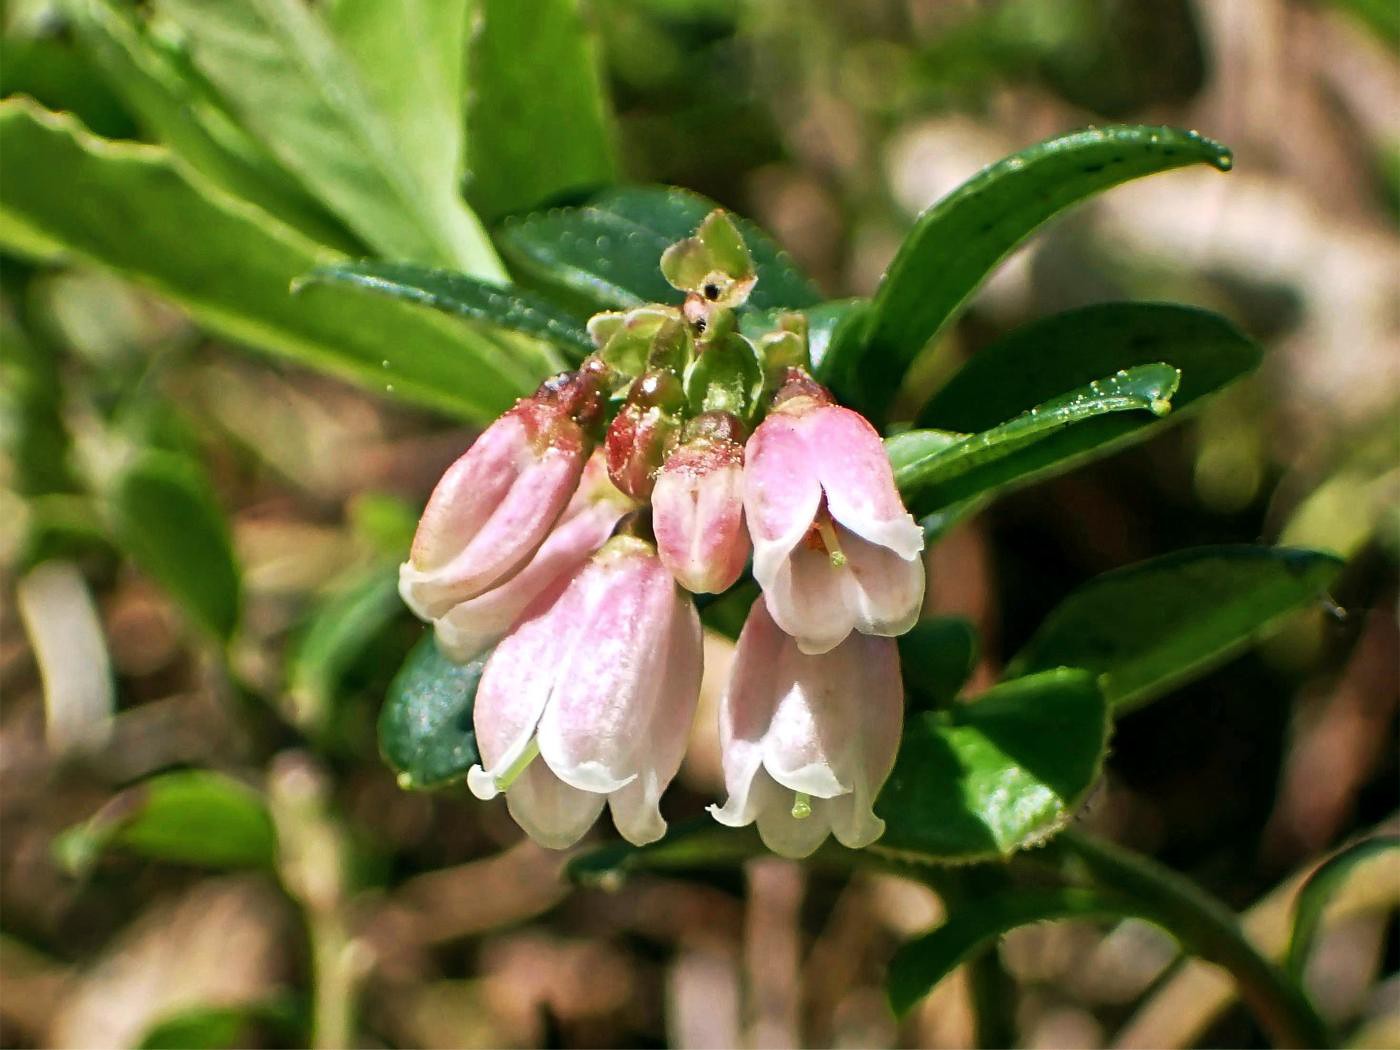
pixel 590 699
pixel 808 741
pixel 497 503
pixel 834 548
pixel 698 506
pixel 473 626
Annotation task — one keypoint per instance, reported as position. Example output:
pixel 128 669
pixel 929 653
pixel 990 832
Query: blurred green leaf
pixel 921 963
pixel 168 521
pixel 609 248
pixel 1019 450
pixel 176 111
pixel 1048 357
pixel 957 243
pixel 936 658
pixel 1314 894
pixel 425 727
pixel 698 845
pixel 335 635
pixel 1146 628
pixel 455 293
pixel 538 122
pixel 289 81
pixel 126 207
pixel 1005 771
pixel 190 816
pixel 411 56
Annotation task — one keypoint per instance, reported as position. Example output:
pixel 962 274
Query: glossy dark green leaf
pixel 455 293
pixel 425 727
pixel 1145 628
pixel 191 816
pixel 936 658
pixel 128 207
pixel 1031 445
pixel 957 243
pixel 334 637
pixel 609 248
pixel 1005 771
pixel 537 121
pixel 1318 890
pixel 1045 359
pixel 919 965
pixel 168 521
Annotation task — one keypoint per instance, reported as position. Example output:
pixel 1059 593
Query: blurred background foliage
pixel 138 447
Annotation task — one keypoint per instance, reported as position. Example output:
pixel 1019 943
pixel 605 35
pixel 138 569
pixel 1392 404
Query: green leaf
pixel 455 293
pixel 957 243
pixel 1006 771
pixel 425 728
pixel 334 637
pixel 177 111
pixel 288 80
pixel 190 816
pixel 609 248
pixel 1033 444
pixel 410 55
pixel 124 206
pixel 698 845
pixel 168 521
pixel 1314 894
pixel 920 964
pixel 220 1027
pixel 1146 628
pixel 1051 356
pixel 538 123
pixel 936 658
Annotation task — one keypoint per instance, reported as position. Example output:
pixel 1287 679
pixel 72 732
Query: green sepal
pixel 726 376
pixel 714 264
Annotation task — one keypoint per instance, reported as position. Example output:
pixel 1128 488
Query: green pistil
pixel 801 806
pixel 506 779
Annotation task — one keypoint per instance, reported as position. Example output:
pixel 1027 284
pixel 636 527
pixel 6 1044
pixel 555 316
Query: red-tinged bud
pixel 494 506
pixel 643 432
pixel 698 506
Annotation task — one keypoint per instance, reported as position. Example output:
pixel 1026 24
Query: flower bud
pixel 597 506
pixel 497 502
pixel 698 508
pixel 642 433
pixel 590 699
pixel 834 548
pixel 808 741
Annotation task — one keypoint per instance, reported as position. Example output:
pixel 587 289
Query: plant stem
pixel 1210 930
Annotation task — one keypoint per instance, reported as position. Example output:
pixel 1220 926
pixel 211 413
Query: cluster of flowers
pixel 575 563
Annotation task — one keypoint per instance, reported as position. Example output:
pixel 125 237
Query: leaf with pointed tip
pixel 425 727
pixel 609 248
pixel 919 965
pixel 1314 894
pixel 456 293
pixel 1144 629
pixel 1018 451
pixel 959 241
pixel 983 779
pixel 191 816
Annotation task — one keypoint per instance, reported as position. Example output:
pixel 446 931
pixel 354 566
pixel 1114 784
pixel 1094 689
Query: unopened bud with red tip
pixel 698 506
pixel 643 432
pixel 495 505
